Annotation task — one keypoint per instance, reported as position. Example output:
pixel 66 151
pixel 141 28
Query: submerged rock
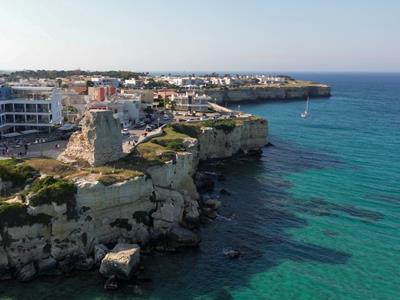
pixel 232 253
pixel 121 261
pixel 46 265
pixel 182 237
pixel 26 273
pixel 111 283
pixel 224 192
pixel 212 203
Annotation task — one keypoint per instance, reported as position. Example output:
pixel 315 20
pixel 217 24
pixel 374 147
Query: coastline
pixel 163 200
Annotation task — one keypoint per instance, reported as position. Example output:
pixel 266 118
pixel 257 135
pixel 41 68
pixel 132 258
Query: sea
pixel 317 216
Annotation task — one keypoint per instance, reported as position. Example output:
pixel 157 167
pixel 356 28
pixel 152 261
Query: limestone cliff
pixel 269 93
pixel 157 207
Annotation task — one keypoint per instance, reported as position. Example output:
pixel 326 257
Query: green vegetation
pixel 52 190
pixel 185 128
pixel 174 145
pixel 226 125
pixel 122 223
pixel 16 214
pixel 17 173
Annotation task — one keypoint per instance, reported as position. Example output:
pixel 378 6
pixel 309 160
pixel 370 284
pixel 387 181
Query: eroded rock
pixel 121 261
pixel 99 141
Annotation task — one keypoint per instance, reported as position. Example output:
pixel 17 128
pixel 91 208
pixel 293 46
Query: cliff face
pixel 269 93
pixel 245 137
pixel 140 210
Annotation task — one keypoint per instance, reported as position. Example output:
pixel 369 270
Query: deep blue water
pixel 317 216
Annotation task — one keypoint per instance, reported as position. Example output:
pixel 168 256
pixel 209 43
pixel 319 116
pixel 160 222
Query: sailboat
pixel 305 113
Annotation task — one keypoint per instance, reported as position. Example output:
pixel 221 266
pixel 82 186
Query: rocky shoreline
pixel 66 217
pixel 253 94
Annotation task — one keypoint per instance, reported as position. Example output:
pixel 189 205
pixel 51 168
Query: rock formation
pixel 157 209
pixel 121 261
pixel 99 141
pixel 269 93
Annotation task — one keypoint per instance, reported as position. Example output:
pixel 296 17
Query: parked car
pixel 125 131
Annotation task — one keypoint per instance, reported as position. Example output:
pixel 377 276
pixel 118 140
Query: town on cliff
pixel 96 171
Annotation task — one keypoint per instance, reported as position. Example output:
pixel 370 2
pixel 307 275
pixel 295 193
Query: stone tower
pixel 99 141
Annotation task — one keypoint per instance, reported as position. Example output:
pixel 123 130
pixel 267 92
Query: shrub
pixel 122 223
pixel 16 214
pixel 190 130
pixel 107 180
pixel 51 190
pixel 18 174
pixel 175 145
pixel 226 125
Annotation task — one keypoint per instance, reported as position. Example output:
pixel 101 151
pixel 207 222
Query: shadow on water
pixel 257 217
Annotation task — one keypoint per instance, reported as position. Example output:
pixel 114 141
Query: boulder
pixel 46 265
pixel 111 283
pixel 26 273
pixel 204 182
pixel 212 203
pixel 121 261
pixel 182 237
pixel 100 251
pixel 85 264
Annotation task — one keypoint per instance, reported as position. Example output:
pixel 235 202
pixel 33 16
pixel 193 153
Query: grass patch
pixel 186 129
pixel 51 167
pixel 226 126
pixel 16 172
pixel 53 190
pixel 16 214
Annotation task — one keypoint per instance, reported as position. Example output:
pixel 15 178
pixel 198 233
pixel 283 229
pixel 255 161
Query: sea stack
pixel 98 142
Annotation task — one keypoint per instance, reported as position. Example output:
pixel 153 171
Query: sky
pixel 201 35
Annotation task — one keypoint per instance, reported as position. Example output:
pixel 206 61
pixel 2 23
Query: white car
pixel 125 131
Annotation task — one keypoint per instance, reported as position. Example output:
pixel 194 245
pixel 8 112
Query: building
pixel 101 93
pixel 166 93
pixel 125 107
pixel 29 108
pixel 146 96
pixel 191 101
pixel 130 83
pixel 99 81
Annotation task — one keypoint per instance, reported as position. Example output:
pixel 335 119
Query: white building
pixel 106 81
pixel 125 108
pixel 29 108
pixel 130 83
pixel 191 101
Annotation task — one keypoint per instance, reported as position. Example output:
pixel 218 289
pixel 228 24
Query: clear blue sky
pixel 201 35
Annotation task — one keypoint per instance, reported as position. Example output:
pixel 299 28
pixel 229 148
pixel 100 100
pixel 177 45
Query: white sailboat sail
pixel 305 114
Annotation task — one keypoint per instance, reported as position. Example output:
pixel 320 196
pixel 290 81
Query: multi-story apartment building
pixel 190 101
pixel 29 108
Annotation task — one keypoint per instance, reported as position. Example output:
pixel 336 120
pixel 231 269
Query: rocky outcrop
pixel 99 142
pixel 121 261
pixel 269 93
pixel 246 137
pixel 157 209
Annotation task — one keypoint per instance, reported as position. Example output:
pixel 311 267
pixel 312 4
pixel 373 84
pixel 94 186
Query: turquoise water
pixel 317 216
